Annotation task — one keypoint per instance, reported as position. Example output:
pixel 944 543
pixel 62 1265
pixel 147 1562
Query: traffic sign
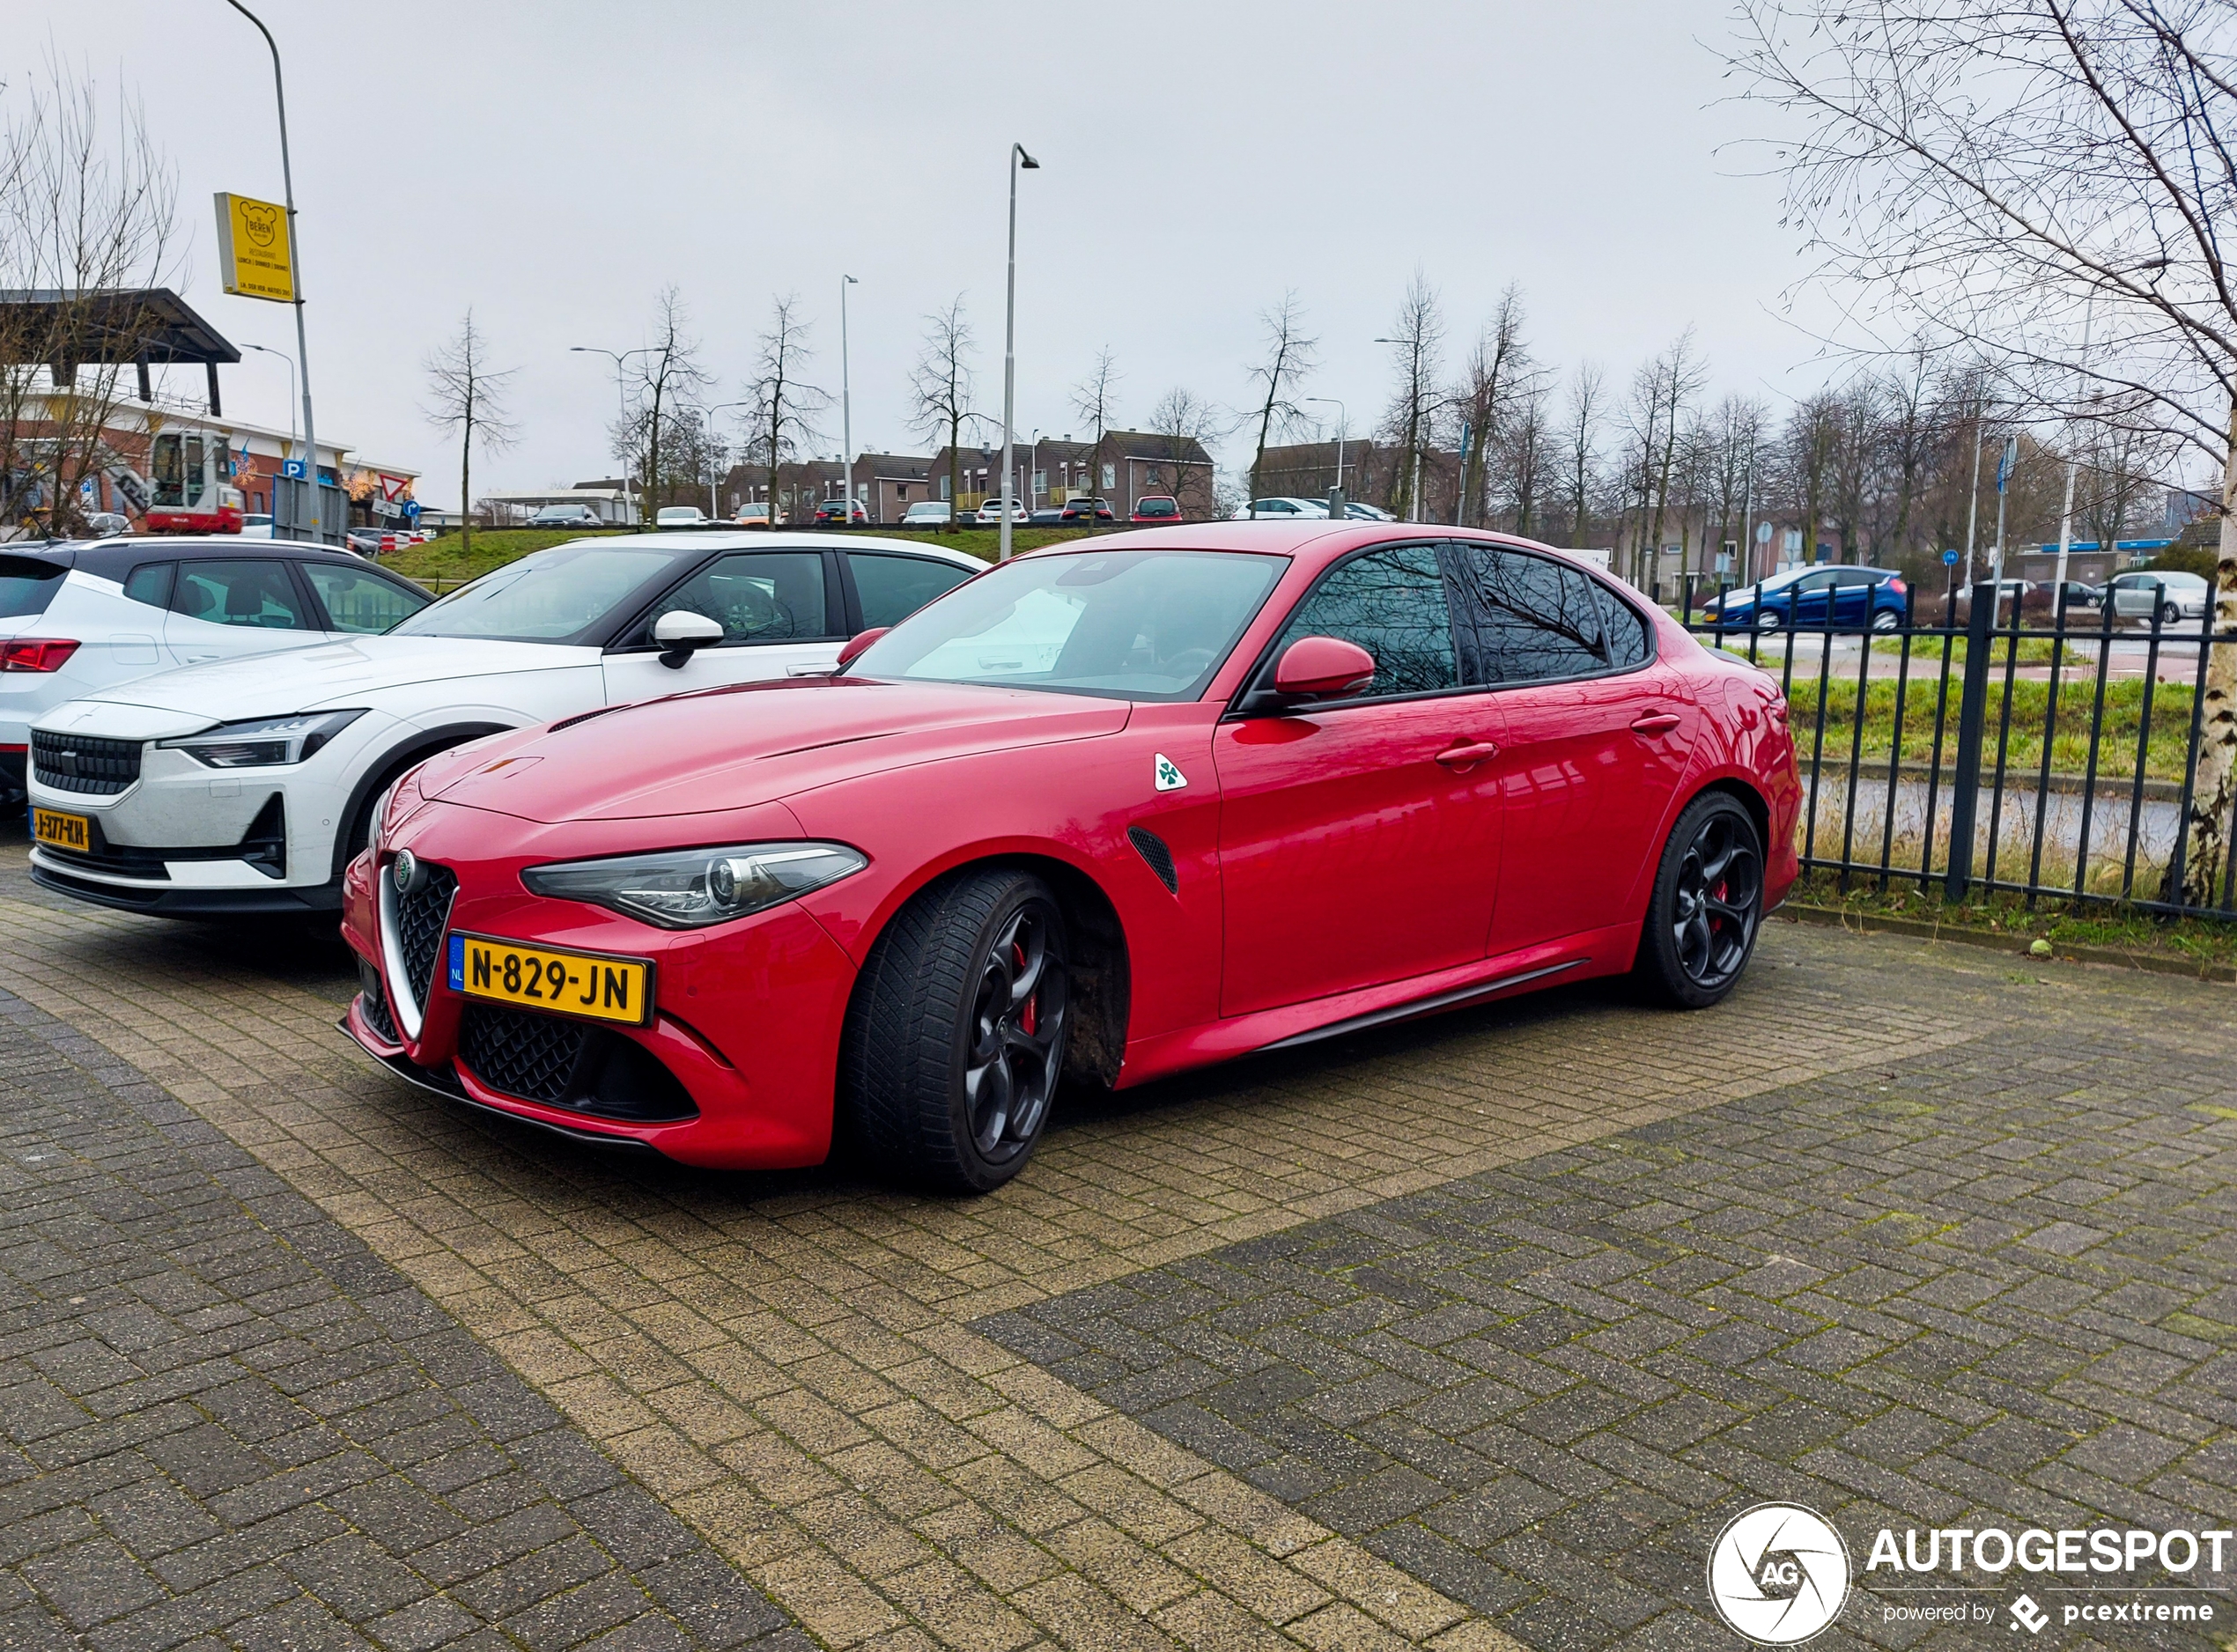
pixel 294 469
pixel 1762 533
pixel 1949 559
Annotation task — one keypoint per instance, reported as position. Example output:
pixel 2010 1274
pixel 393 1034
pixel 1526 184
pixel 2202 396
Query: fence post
pixel 1973 710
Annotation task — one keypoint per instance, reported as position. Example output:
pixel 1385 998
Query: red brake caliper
pixel 1028 1016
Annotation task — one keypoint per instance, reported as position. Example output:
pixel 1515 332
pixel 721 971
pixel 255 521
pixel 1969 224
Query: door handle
pixel 1467 755
pixel 1655 724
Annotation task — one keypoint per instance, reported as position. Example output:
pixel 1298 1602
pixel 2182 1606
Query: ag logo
pixel 1169 779
pixel 1778 1574
pixel 261 221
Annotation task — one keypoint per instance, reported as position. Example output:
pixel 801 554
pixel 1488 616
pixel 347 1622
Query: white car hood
pixel 353 673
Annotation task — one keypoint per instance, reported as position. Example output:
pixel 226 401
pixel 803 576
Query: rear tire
pixel 1707 906
pixel 956 1035
pixel 1887 620
pixel 2170 617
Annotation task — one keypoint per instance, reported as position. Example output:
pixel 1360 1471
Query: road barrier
pixel 2057 761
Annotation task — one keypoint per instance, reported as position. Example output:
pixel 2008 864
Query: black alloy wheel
pixel 1707 905
pixel 956 1035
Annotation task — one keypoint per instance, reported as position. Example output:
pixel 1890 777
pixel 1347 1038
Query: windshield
pixel 551 596
pixel 1135 624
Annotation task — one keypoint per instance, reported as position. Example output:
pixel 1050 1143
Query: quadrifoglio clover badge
pixel 1778 1574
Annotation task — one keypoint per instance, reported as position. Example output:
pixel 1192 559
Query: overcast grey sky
pixel 556 164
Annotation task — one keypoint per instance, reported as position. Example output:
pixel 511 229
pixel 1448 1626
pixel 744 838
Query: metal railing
pixel 2055 761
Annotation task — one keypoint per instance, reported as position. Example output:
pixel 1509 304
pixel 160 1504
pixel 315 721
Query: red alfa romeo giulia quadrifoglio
pixel 1105 812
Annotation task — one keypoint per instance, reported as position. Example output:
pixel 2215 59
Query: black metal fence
pixel 2051 760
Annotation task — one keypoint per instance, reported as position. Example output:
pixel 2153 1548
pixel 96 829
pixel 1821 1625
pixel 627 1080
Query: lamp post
pixel 295 272
pixel 1032 468
pixel 621 396
pixel 1019 160
pixel 846 408
pixel 714 509
pixel 283 356
pixel 1343 424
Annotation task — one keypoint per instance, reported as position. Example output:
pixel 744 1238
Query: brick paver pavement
pixel 222 1420
pixel 793 1363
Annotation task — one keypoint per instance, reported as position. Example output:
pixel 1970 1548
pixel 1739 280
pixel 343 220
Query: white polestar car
pixel 245 787
pixel 81 616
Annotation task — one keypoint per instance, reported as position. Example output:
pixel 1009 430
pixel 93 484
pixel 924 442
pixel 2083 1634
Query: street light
pixel 283 356
pixel 621 396
pixel 295 270
pixel 1343 424
pixel 847 407
pixel 714 509
pixel 1018 158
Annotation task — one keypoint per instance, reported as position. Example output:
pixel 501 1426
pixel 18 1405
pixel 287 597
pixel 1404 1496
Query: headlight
pixel 264 741
pixel 687 889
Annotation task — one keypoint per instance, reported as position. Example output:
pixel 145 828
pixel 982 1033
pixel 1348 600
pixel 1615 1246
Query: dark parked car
pixel 565 516
pixel 1156 507
pixel 842 510
pixel 1086 510
pixel 1856 597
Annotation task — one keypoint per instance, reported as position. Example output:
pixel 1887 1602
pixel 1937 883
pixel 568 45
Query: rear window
pixel 27 584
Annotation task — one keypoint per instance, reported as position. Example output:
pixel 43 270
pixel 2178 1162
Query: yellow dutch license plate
pixel 64 831
pixel 596 986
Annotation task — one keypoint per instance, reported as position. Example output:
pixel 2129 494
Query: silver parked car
pixel 2179 596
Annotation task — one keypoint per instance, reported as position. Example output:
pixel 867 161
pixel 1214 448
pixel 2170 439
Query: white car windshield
pixel 550 596
pixel 1136 625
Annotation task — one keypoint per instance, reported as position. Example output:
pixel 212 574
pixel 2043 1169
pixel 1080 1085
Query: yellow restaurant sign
pixel 253 249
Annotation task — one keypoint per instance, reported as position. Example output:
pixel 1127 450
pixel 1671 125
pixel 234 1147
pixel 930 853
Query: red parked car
pixel 1103 813
pixel 1155 507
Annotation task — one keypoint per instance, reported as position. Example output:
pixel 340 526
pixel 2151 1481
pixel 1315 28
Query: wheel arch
pixel 1758 807
pixel 417 748
pixel 1101 976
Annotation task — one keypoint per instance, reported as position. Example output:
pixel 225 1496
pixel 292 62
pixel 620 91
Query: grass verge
pixel 2070 929
pixel 2031 703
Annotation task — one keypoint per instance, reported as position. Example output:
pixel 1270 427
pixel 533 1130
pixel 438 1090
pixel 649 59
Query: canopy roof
pixel 119 324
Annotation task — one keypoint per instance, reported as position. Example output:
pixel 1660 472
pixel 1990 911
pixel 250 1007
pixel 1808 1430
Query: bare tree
pixel 940 387
pixel 466 395
pixel 1581 448
pixel 1417 346
pixel 1095 399
pixel 1184 425
pixel 784 404
pixel 1679 374
pixel 2047 181
pixel 1524 453
pixel 87 217
pixel 1499 358
pixel 669 373
pixel 1288 358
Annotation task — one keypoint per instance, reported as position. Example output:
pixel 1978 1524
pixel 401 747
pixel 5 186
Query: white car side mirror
pixel 683 633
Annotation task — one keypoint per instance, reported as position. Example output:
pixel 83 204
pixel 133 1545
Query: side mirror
pixel 855 645
pixel 1317 667
pixel 683 634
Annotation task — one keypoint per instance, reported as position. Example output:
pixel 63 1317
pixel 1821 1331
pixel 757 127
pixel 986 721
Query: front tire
pixel 954 1039
pixel 1887 620
pixel 1707 906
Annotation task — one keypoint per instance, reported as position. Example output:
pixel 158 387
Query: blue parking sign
pixel 294 469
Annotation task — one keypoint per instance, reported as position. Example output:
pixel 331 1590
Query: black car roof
pixel 113 558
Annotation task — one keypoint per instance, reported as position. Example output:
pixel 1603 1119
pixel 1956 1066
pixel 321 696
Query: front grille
pixel 569 1064
pixel 263 847
pixel 73 762
pixel 532 1056
pixel 420 917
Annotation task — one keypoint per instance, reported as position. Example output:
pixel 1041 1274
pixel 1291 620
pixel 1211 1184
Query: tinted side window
pixel 150 583
pixel 1624 630
pixel 27 584
pixel 359 602
pixel 1391 603
pixel 761 596
pixel 255 593
pixel 1526 619
pixel 894 587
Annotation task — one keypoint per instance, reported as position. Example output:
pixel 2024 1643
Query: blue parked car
pixel 1860 599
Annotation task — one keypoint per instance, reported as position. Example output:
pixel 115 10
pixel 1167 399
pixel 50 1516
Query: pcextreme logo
pixel 1778 1574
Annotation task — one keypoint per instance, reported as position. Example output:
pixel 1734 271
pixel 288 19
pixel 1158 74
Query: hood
pixel 327 675
pixel 733 748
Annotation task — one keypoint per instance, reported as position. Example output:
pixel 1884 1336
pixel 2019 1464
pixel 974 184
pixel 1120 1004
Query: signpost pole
pixel 295 276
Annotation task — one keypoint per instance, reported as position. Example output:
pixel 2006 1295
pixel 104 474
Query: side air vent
pixel 1152 849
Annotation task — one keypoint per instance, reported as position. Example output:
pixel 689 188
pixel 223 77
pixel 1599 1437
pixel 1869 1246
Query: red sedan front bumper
pixel 746 1022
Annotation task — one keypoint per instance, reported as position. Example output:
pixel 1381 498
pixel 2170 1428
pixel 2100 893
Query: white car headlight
pixel 688 889
pixel 264 741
